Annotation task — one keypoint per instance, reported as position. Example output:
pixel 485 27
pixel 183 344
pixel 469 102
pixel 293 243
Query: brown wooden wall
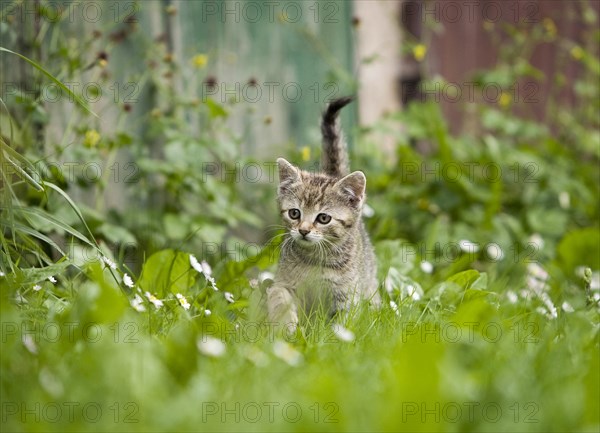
pixel 463 37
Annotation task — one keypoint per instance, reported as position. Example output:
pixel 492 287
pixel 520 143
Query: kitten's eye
pixel 294 214
pixel 323 218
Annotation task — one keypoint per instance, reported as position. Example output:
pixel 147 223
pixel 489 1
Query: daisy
pixel 195 264
pixel 154 300
pixel 184 303
pixel 204 269
pixel 137 303
pixel 127 281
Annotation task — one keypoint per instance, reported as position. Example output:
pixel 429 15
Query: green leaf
pixel 116 234
pixel 167 271
pixel 214 109
pixel 579 248
pixel 101 300
pixel 465 278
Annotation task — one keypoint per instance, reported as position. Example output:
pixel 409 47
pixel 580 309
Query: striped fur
pixel 322 265
pixel 334 159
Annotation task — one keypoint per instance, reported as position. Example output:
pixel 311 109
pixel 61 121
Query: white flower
pixel 394 307
pixel 368 211
pixel 210 346
pixel 195 264
pixel 29 343
pixel 537 241
pixel 536 278
pixel 426 267
pixel 494 252
pixel 567 308
pixel 2 274
pixel 549 305
pixel 207 312
pixel 229 297
pixel 525 294
pixel 564 199
pixel 206 269
pixel 512 297
pixel 109 262
pixel 184 303
pixel 468 246
pixel 37 287
pixel 127 281
pixel 414 292
pixel 286 352
pixel 406 286
pixel 137 303
pixel 537 285
pixel 342 333
pixel 211 280
pixel 154 300
pixel 52 279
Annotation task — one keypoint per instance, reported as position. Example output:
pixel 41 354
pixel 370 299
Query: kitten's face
pixel 318 209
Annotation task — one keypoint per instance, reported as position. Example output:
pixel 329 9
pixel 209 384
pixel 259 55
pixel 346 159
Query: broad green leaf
pixel 167 271
pixel 465 278
pixel 579 248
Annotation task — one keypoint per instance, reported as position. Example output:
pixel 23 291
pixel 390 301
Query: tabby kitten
pixel 327 260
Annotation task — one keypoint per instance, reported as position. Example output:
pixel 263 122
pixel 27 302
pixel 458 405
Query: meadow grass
pixel 461 358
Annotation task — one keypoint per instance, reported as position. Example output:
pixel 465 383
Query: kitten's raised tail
pixel 334 159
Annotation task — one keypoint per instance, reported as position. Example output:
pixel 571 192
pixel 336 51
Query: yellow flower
pixel 419 51
pixel 549 26
pixel 92 137
pixel 577 52
pixel 200 60
pixel 305 153
pixel 504 100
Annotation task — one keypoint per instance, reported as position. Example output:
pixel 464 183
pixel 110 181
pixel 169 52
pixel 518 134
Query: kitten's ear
pixel 287 172
pixel 353 187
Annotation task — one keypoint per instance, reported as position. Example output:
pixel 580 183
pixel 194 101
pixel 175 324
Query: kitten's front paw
pixel 282 308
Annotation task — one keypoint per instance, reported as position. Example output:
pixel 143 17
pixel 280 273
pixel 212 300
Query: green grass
pixel 462 358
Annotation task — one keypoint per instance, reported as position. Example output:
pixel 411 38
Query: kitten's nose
pixel 303 232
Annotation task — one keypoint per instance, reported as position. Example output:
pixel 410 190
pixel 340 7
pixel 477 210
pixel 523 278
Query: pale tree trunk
pixel 379 57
